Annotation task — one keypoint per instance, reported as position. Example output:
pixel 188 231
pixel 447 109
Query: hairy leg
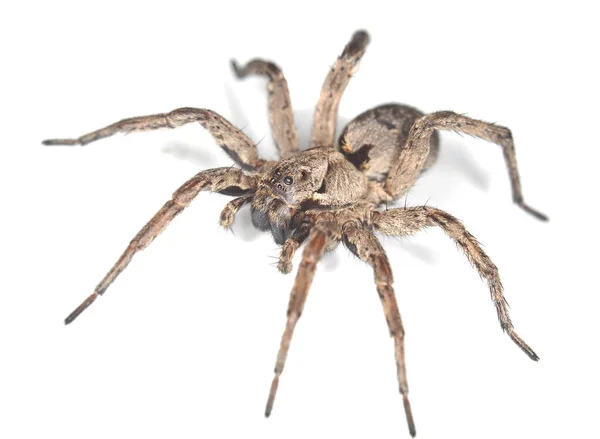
pixel 319 238
pixel 406 170
pixel 323 132
pixel 223 180
pixel 365 245
pixel 233 141
pixel 281 114
pixel 407 221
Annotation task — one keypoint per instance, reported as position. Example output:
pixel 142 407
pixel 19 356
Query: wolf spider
pixel 328 193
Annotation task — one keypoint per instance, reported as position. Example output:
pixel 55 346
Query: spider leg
pixel 320 236
pixel 366 246
pixel 223 180
pixel 406 170
pixel 281 114
pixel 323 131
pixel 233 141
pixel 407 221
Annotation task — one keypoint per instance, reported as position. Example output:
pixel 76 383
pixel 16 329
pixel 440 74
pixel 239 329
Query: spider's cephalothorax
pixel 329 193
pixel 309 180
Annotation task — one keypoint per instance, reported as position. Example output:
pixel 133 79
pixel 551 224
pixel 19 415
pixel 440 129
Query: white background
pixel 183 344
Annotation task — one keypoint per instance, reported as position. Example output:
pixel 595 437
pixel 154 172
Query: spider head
pixel 283 189
pixel 295 179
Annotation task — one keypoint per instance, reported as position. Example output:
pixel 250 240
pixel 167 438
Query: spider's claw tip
pixel 87 302
pixel 65 142
pixel 236 68
pixel 533 355
pixel 535 213
pixel 538 215
pixel 363 35
pixel 409 417
pixel 524 347
pixel 272 394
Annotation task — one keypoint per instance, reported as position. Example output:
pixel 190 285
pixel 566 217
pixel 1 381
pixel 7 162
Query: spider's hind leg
pixel 407 221
pixel 413 157
pixel 366 246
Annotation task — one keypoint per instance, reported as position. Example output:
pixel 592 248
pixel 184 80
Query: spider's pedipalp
pixel 289 247
pixel 323 131
pixel 407 221
pixel 234 142
pixel 281 114
pixel 412 159
pixel 320 237
pixel 231 208
pixel 366 246
pixel 221 180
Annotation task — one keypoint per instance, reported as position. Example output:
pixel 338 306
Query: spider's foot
pixel 409 417
pixel 54 142
pixel 356 47
pixel 87 302
pixel 530 210
pixel 524 347
pixel 272 394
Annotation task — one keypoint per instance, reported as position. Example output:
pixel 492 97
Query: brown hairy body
pixel 330 193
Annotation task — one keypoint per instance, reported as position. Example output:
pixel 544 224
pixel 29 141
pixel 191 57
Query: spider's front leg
pixel 281 114
pixel 366 246
pixel 406 170
pixel 407 221
pixel 222 180
pixel 233 141
pixel 321 237
pixel 323 131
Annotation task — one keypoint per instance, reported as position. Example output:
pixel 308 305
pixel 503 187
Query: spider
pixel 331 192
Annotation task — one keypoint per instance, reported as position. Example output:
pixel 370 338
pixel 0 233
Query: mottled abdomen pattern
pixel 377 136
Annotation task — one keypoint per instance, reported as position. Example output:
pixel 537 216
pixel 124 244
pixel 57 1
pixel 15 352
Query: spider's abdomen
pixel 377 136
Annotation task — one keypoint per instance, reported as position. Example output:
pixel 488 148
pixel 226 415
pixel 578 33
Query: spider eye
pixel 288 180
